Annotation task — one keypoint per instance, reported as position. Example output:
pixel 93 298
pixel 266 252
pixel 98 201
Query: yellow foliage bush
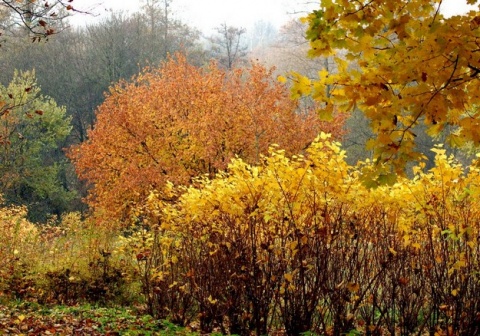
pixel 66 262
pixel 301 240
pixel 17 248
pixel 75 263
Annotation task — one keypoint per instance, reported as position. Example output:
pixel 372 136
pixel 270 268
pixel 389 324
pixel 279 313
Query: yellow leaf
pixel 211 300
pixel 456 140
pixel 388 179
pixel 342 65
pixel 289 277
pixel 392 251
pixel 416 245
pixel 459 264
pixel 353 287
pixel 324 136
pixel 323 74
pixel 213 252
pixel 301 86
pixel 325 114
pixel 293 245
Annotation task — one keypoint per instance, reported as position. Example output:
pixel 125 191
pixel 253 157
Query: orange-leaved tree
pixel 181 121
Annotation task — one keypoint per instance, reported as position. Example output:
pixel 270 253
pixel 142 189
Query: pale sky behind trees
pixel 208 14
pixel 204 14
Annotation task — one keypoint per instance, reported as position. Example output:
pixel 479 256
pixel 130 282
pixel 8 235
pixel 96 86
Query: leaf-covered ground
pixel 22 318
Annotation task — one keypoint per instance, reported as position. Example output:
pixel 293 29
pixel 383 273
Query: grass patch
pixel 22 317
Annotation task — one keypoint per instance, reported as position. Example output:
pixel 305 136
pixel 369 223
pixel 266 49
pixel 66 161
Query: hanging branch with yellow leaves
pixel 403 64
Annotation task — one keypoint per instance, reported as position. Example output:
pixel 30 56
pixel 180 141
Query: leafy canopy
pixel 181 121
pixel 32 129
pixel 405 64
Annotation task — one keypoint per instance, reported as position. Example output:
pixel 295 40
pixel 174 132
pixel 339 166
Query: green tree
pixel 412 66
pixel 32 132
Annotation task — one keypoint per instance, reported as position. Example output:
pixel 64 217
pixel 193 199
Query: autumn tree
pixel 412 66
pixel 289 53
pixel 32 132
pixel 180 121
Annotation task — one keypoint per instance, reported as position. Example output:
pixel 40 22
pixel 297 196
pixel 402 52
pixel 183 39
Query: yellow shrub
pixel 305 235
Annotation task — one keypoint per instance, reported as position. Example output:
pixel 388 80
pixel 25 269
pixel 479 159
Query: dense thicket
pixel 301 244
